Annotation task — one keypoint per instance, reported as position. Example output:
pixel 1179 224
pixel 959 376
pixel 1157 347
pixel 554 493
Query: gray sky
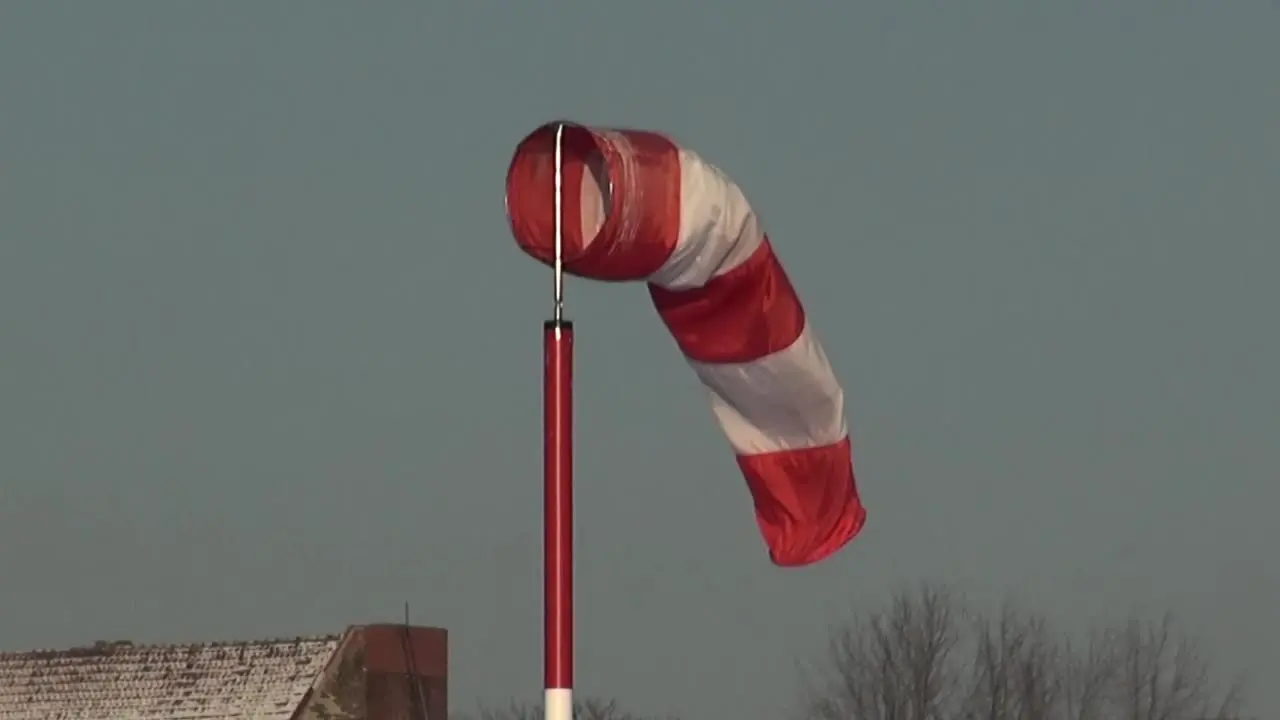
pixel 269 357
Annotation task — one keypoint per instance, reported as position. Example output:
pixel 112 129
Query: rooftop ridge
pixel 107 646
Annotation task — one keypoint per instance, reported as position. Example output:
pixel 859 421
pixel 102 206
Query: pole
pixel 557 350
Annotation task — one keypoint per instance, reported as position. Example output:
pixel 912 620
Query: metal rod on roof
pixel 411 672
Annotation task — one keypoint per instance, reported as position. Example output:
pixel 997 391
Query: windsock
pixel 638 207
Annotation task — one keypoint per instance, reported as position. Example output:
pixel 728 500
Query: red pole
pixel 557 346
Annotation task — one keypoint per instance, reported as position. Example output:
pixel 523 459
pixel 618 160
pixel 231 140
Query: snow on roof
pixel 262 680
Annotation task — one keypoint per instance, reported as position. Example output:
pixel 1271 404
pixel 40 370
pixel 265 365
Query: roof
pixel 263 680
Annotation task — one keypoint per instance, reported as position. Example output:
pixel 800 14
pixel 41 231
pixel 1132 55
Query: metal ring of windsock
pixel 633 206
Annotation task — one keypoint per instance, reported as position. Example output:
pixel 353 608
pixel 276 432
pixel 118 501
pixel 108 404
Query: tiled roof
pixel 262 680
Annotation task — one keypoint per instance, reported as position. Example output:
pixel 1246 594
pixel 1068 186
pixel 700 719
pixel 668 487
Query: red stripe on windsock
pixel 745 314
pixel 806 502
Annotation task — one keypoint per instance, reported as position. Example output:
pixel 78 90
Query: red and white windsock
pixel 638 207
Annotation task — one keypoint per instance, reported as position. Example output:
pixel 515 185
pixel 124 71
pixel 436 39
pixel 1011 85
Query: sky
pixel 269 358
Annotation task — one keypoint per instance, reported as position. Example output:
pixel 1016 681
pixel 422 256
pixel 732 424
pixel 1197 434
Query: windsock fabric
pixel 637 207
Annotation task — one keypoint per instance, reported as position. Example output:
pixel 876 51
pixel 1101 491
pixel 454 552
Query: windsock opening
pixel 616 208
pixel 584 191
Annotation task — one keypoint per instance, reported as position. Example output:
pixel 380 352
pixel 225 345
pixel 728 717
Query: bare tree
pixel 1162 674
pixel 929 657
pixel 896 664
pixel 1088 668
pixel 1015 668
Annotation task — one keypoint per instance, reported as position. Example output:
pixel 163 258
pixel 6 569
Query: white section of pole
pixel 557 704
